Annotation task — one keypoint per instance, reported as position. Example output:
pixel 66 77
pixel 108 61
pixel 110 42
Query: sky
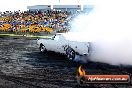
pixel 11 5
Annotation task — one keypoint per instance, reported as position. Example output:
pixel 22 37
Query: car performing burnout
pixel 59 44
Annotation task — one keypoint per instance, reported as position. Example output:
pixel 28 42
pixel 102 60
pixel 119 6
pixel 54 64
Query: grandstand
pixel 41 18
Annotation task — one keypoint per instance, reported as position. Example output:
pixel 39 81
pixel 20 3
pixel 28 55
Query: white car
pixel 59 44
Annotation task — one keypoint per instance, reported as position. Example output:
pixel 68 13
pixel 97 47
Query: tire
pixel 42 48
pixel 70 53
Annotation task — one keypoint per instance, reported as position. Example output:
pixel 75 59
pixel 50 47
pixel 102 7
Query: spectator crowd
pixel 34 21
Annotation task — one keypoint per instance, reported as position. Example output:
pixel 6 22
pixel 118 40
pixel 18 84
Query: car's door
pixel 56 44
pixel 59 44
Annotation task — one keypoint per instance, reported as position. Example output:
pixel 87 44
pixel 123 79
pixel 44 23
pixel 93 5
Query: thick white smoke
pixel 109 27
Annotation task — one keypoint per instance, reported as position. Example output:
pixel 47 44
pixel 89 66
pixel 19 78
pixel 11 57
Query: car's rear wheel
pixel 42 48
pixel 70 53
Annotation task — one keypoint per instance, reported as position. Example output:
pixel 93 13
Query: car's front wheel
pixel 42 48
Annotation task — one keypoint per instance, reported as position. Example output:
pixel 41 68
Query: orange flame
pixel 81 71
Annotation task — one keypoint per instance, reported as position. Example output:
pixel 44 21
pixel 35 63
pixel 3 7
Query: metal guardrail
pixel 31 36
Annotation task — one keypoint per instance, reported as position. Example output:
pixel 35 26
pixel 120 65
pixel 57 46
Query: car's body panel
pixel 59 44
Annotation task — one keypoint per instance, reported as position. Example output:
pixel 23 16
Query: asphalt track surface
pixel 23 66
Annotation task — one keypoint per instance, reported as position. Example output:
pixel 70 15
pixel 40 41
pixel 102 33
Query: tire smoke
pixel 109 28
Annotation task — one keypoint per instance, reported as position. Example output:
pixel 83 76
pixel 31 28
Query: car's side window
pixel 56 38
